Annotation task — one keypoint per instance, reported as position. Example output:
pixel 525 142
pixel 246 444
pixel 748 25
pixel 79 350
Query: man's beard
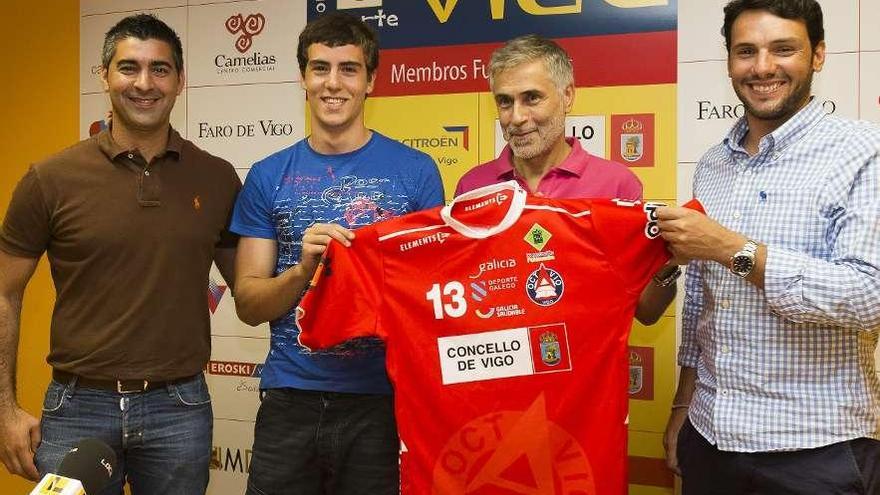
pixel 552 131
pixel 785 108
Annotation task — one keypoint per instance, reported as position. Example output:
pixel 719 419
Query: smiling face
pixel 531 109
pixel 336 84
pixel 143 85
pixel 771 65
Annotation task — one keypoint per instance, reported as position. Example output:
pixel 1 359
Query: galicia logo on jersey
pixel 545 286
pixel 494 264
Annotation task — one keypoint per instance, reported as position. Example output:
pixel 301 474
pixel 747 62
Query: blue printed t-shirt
pixel 296 187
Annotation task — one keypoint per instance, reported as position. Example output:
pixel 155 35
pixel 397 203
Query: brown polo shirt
pixel 130 245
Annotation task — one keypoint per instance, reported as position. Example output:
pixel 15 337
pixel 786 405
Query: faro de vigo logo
pixel 249 27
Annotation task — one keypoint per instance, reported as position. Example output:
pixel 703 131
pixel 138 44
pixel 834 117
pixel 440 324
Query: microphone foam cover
pixel 91 462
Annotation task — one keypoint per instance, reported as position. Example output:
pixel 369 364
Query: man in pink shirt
pixel 533 84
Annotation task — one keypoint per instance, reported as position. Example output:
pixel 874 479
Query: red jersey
pixel 506 321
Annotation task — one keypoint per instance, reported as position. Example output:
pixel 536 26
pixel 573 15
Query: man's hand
pixel 19 438
pixel 315 240
pixel 670 438
pixel 694 236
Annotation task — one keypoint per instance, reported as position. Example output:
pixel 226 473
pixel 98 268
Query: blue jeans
pixel 844 468
pixel 323 443
pixel 162 438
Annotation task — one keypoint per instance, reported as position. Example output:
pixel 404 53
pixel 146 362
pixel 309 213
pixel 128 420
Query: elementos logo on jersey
pixel 504 353
pixel 496 200
pixel 439 237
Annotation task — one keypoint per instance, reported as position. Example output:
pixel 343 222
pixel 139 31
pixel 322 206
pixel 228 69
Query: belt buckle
pixel 133 391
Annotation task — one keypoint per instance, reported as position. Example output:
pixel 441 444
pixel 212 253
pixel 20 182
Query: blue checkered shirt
pixel 790 366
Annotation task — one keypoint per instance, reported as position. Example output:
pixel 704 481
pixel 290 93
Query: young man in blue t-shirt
pixel 326 422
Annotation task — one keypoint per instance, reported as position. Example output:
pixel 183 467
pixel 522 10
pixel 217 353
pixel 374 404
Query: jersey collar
pixel 516 207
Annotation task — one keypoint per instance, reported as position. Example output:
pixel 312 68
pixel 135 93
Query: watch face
pixel 742 265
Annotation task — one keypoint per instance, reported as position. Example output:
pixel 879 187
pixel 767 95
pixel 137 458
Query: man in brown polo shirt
pixel 130 220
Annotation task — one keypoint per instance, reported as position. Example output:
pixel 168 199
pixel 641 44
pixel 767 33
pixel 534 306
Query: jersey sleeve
pixel 26 230
pixel 630 239
pixel 344 297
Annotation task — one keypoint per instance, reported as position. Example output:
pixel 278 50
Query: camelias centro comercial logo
pixel 246 28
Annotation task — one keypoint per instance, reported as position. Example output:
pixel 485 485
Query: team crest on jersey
pixel 537 237
pixel 545 286
pixel 551 354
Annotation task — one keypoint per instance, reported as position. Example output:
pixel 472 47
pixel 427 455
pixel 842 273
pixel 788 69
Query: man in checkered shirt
pixel 778 390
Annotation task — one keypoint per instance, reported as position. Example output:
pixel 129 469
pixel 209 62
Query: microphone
pixel 85 470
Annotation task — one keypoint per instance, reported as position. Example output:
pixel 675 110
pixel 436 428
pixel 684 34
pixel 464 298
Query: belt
pixel 120 386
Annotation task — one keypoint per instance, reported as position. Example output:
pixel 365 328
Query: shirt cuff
pixel 688 355
pixel 783 275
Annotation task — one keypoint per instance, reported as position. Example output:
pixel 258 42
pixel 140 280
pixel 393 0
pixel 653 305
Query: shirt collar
pixel 788 133
pixel 575 163
pixel 112 149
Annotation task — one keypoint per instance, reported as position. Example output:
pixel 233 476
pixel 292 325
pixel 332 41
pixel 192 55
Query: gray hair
pixel 529 48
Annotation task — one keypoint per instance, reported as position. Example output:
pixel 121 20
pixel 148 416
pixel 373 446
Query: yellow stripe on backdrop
pixel 40 82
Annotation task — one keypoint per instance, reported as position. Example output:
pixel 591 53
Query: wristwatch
pixel 743 262
pixel 668 279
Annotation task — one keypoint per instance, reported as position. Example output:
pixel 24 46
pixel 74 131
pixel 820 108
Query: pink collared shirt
pixel 580 175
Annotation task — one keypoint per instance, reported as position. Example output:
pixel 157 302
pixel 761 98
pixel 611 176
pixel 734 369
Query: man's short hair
pixel 529 48
pixel 339 29
pixel 142 27
pixel 808 11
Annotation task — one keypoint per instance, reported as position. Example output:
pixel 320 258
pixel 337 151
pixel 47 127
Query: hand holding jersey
pixel 314 243
pixel 694 236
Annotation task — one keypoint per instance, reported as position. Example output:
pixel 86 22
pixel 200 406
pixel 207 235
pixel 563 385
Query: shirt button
pixel 736 215
pixel 725 304
pixel 131 156
pixel 146 172
pixel 725 349
pixel 724 392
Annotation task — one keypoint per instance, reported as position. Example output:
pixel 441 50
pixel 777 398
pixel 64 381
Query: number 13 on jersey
pixel 448 301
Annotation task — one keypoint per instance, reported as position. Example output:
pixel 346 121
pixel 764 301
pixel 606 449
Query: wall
pixel 243 101
pixel 40 88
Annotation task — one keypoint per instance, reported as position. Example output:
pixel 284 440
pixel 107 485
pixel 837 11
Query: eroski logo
pixel 494 264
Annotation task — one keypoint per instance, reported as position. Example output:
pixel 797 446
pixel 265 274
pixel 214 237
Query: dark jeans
pixel 162 438
pixel 845 468
pixel 321 443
